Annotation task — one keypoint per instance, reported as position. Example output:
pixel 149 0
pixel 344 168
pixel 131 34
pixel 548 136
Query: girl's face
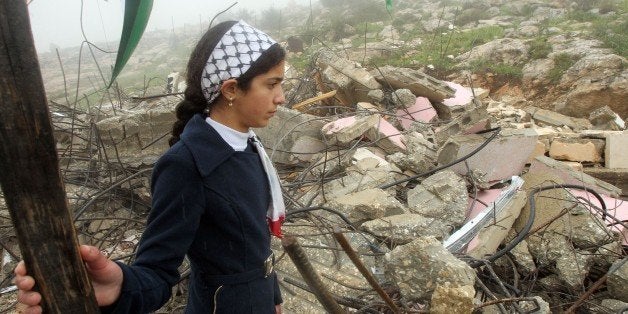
pixel 254 107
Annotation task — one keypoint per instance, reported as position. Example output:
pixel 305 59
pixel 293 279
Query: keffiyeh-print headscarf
pixel 233 55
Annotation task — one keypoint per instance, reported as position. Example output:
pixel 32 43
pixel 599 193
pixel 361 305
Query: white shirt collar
pixel 236 139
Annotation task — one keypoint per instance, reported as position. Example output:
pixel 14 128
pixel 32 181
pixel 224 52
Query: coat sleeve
pixel 178 203
pixel 278 298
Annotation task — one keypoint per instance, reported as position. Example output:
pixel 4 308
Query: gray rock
pixel 617 280
pixel 404 228
pixel 442 195
pixel 368 204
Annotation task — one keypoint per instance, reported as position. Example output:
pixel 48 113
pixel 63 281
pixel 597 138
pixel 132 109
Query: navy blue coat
pixel 210 203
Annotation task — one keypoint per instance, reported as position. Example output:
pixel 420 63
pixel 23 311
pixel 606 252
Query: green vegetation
pixel 562 62
pixel 539 48
pixel 506 71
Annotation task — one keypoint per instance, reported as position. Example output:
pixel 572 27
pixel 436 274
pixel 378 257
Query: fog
pixel 58 22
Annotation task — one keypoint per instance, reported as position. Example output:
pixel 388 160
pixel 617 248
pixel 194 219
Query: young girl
pixel 216 197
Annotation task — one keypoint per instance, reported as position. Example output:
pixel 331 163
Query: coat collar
pixel 208 148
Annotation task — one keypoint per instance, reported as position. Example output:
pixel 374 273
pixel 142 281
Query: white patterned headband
pixel 238 48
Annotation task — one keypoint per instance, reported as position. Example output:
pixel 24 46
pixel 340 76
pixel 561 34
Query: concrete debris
pixel 369 149
pixel 442 192
pixel 418 82
pixel 618 280
pixel 420 266
pixel 367 204
pixel 501 158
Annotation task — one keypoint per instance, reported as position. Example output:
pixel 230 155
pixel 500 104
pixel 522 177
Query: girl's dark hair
pixel 193 101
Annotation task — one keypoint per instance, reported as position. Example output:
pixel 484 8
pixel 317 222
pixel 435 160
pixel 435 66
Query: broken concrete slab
pixel 347 77
pixel 462 99
pixel 490 237
pixel 418 82
pixel 305 148
pixel 404 228
pixel 345 130
pixel 421 265
pixel 556 119
pixel 547 247
pixel 544 164
pixel 386 136
pixel 367 204
pixel 573 268
pixel 616 151
pixel 403 98
pixel 442 195
pixel 617 177
pixel 420 155
pixel 502 158
pixel 469 122
pixel 421 111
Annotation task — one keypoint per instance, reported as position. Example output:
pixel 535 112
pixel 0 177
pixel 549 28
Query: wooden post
pixel 29 173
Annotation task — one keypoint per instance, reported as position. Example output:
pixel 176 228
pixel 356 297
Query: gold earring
pixel 230 102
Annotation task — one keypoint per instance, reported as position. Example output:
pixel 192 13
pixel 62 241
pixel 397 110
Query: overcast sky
pixel 59 22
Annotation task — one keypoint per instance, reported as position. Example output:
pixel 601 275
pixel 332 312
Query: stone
pixel 544 306
pixel 305 148
pixel 376 96
pixel 448 299
pixel 614 306
pixel 367 204
pixel 617 280
pixel 442 195
pixel 421 265
pixel 504 50
pixel 616 151
pixel 604 118
pixel 419 83
pixel 548 247
pixel 580 150
pixel 502 158
pixel 403 98
pixel 404 228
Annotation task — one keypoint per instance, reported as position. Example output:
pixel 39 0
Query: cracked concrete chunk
pixel 442 195
pixel 618 280
pixel 573 267
pixel 418 82
pixel 448 299
pixel 404 228
pixel 421 265
pixel 368 204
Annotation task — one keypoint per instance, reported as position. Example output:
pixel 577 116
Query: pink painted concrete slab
pixel 462 97
pixel 388 130
pixel 337 125
pixel 422 110
pixel 614 207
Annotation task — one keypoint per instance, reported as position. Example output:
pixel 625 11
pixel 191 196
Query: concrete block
pixel 580 150
pixel 616 151
pixel 471 121
pixel 418 82
pixel 442 195
pixel 450 107
pixel 502 158
pixel 368 204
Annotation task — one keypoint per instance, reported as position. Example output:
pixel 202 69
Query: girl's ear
pixel 228 88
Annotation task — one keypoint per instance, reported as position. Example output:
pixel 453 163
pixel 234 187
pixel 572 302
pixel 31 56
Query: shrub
pixel 539 48
pixel 562 62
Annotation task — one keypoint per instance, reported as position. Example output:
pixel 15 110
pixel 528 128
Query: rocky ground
pixel 470 172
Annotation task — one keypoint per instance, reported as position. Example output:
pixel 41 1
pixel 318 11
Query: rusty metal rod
pixel 300 260
pixel 363 270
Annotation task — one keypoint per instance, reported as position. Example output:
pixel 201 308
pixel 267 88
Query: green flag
pixel 389 6
pixel 136 14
